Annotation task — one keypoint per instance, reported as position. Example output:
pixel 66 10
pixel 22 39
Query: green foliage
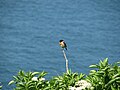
pixel 63 82
pixel 106 77
pixel 23 81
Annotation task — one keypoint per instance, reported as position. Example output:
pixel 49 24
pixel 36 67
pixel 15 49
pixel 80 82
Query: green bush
pixel 25 81
pixel 63 82
pixel 105 77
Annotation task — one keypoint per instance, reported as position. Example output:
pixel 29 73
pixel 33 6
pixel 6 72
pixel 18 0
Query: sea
pixel 30 31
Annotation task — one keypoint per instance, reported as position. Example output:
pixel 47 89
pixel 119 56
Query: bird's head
pixel 61 40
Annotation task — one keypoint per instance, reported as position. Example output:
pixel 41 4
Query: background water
pixel 31 29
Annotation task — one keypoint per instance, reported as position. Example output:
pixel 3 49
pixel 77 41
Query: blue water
pixel 31 29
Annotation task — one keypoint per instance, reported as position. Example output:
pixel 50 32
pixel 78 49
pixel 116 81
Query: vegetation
pixel 105 76
pixel 63 82
pixel 0 86
pixel 36 81
pixel 27 81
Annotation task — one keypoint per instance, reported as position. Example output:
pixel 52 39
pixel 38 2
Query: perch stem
pixel 67 70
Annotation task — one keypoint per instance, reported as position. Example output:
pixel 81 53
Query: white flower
pixel 35 78
pixel 81 85
pixel 72 88
pixel 42 79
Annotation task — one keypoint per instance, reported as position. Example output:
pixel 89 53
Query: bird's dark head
pixel 61 40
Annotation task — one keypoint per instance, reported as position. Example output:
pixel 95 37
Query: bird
pixel 63 44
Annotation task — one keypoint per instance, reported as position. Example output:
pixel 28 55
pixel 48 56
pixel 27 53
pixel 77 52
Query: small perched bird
pixel 63 44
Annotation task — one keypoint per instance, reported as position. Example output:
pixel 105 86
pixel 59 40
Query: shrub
pixel 105 77
pixel 63 82
pixel 27 81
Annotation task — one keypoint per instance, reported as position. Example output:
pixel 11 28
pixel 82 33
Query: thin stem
pixel 66 61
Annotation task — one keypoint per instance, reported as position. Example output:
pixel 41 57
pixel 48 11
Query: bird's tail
pixel 66 48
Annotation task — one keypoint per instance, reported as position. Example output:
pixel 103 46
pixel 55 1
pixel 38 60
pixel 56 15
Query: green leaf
pixel 30 83
pixel 42 74
pixel 118 62
pixel 35 73
pixel 21 84
pixel 16 78
pixel 112 81
pixel 32 88
pixel 113 87
pixel 92 71
pixel 105 62
pixel 0 87
pixel 116 75
pixel 81 76
pixel 21 73
pixel 94 66
pixel 11 82
pixel 101 64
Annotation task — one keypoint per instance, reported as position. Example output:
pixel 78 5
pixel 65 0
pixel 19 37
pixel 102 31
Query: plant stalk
pixel 66 60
